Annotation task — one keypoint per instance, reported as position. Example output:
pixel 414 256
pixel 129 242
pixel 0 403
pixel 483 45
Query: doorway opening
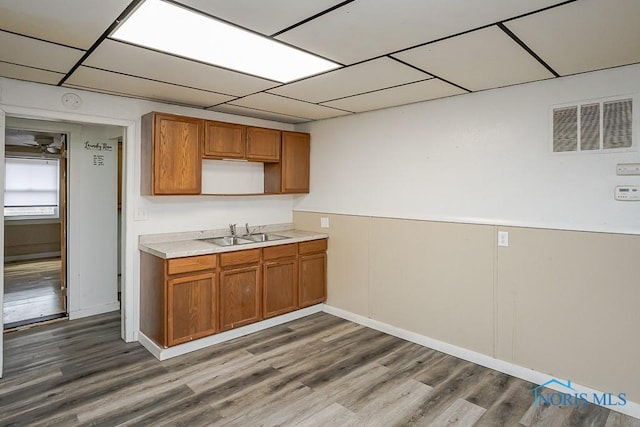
pixel 82 273
pixel 35 227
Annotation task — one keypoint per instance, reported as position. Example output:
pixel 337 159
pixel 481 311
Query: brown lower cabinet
pixel 280 280
pixel 178 298
pixel 240 290
pixel 191 312
pixel 312 264
pixel 183 299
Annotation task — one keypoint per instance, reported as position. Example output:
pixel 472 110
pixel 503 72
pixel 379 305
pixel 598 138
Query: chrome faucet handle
pixel 246 228
pixel 232 229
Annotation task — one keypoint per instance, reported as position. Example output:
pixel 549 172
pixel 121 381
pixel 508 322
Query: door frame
pixel 2 131
pixel 128 296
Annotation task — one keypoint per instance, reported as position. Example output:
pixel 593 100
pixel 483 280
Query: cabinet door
pixel 295 162
pixel 191 308
pixel 240 296
pixel 177 163
pixel 224 140
pixel 312 280
pixel 279 287
pixel 263 145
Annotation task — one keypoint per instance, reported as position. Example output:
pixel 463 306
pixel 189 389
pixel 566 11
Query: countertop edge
pixel 186 248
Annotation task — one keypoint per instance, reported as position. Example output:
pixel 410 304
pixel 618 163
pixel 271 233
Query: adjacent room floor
pixel 32 290
pixel 316 371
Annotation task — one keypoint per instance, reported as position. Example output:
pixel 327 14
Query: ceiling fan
pixel 50 143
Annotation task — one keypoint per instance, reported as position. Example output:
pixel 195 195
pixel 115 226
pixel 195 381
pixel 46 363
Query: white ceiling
pixel 393 52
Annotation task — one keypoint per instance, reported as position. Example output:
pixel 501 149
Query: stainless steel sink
pixel 263 237
pixel 228 241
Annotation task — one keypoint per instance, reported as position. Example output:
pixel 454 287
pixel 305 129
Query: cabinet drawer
pixel 280 251
pixel 313 246
pixel 248 256
pixel 192 263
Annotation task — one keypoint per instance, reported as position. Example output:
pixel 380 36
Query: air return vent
pixel 590 127
pixel 617 123
pixel 565 129
pixel 593 126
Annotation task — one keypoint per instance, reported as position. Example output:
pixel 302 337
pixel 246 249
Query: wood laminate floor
pixel 316 371
pixel 32 290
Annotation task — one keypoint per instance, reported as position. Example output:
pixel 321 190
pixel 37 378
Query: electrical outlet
pixel 503 238
pixel 141 214
pixel 324 222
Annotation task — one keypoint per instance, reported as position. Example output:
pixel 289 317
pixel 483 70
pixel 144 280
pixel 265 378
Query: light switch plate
pixel 628 169
pixel 324 222
pixel 503 238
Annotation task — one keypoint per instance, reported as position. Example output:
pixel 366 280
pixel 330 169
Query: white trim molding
pixel 631 408
pixel 92 311
pixel 178 350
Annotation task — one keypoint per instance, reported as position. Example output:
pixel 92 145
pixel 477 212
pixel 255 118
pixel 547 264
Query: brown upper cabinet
pixel 224 140
pixel 173 148
pixel 291 174
pixel 171 154
pixel 263 145
pixel 233 141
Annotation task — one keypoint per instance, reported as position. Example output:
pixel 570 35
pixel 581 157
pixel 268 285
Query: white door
pixel 2 239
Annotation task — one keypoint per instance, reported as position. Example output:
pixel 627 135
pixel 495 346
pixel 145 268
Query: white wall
pixel 92 223
pixel 170 214
pixel 478 158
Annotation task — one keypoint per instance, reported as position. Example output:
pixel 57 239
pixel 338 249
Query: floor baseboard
pixel 92 311
pixel 180 349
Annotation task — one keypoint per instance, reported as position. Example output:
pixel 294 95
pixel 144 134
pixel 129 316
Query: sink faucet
pixel 248 231
pixel 232 229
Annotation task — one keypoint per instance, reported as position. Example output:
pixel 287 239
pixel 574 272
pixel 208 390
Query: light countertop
pixel 177 245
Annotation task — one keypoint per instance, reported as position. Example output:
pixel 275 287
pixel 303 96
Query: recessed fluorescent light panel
pixel 173 29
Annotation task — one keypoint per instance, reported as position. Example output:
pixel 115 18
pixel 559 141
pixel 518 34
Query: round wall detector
pixel 71 101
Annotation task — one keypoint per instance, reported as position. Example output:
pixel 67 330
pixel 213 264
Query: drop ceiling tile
pixel 367 76
pixel 125 58
pixel 20 72
pixel 291 107
pixel 106 81
pixel 583 36
pixel 34 53
pixel 366 29
pixel 266 17
pixel 413 92
pixel 478 60
pixel 77 23
pixel 258 114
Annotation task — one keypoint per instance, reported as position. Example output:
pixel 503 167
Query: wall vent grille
pixel 590 127
pixel 618 117
pixel 565 129
pixel 593 126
